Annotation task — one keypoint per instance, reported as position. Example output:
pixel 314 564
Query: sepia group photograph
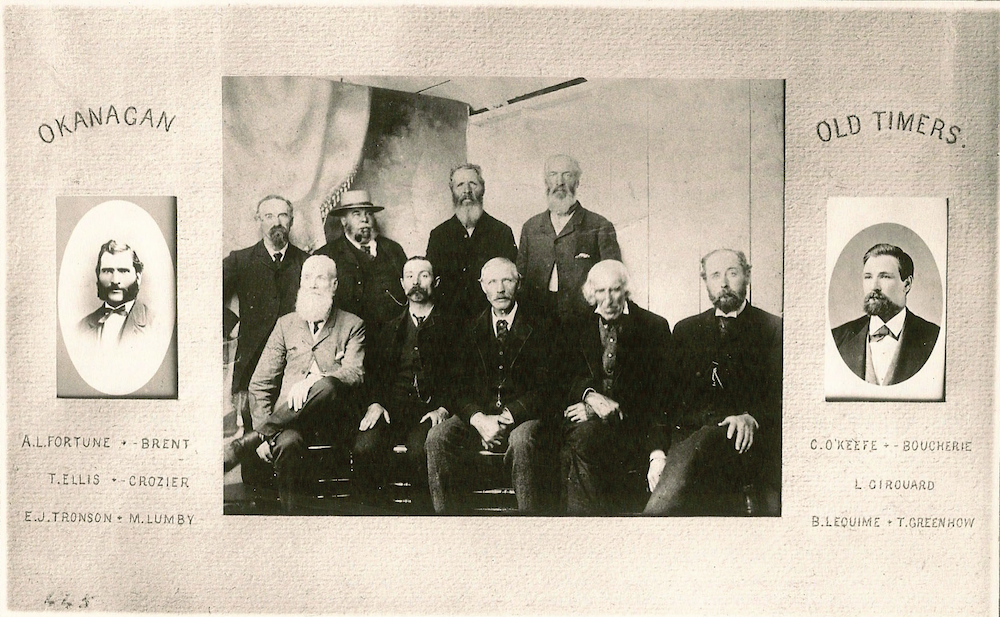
pixel 521 296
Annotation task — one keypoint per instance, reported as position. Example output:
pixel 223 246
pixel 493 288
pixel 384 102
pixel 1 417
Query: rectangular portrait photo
pixel 887 297
pixel 502 296
pixel 117 303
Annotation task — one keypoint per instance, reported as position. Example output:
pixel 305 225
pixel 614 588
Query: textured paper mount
pixel 836 64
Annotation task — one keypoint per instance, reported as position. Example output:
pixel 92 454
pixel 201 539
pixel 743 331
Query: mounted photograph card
pixel 127 346
pixel 886 261
pixel 502 309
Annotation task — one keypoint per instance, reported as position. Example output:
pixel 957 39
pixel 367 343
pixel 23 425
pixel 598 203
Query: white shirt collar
pixel 509 318
pixel 128 306
pixel 372 245
pixel 624 309
pixel 418 313
pixel 736 313
pixel 895 324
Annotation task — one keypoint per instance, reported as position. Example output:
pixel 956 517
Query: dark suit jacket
pixel 527 390
pixel 265 293
pixel 436 339
pixel 643 373
pixel 139 319
pixel 458 259
pixel 339 352
pixel 585 240
pixel 371 300
pixel 749 367
pixel 916 343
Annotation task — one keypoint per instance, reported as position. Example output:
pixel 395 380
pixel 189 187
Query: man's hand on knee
pixel 579 412
pixel 375 411
pixel 743 426
pixel 264 452
pixel 299 392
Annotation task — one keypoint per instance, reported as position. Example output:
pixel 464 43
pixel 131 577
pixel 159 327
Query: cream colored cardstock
pixel 861 531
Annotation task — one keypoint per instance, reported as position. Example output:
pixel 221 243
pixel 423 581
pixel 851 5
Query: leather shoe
pixel 239 448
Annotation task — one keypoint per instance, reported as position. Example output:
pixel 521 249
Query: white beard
pixel 311 306
pixel 561 205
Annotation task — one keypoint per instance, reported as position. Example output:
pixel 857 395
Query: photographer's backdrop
pixel 680 167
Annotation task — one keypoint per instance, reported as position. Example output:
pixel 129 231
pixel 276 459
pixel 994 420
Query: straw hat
pixel 351 200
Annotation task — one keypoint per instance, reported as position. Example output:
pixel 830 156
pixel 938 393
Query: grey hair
pixel 291 210
pixel 497 261
pixel 608 266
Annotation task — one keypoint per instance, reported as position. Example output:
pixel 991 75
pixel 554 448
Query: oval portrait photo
pixel 886 304
pixel 116 298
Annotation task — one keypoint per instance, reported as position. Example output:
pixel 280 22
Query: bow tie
pixel 109 311
pixel 881 333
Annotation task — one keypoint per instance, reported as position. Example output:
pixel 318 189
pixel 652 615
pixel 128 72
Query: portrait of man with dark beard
pixel 889 344
pixel 121 319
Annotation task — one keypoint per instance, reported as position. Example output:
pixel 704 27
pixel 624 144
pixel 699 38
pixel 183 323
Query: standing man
pixel 409 379
pixel 121 318
pixel 303 383
pixel 618 374
pixel 502 397
pixel 368 263
pixel 558 247
pixel 727 434
pixel 264 278
pixel 460 246
pixel 889 344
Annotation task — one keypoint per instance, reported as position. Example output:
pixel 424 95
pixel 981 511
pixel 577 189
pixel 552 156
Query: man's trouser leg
pixel 449 446
pixel 322 395
pixel 587 463
pixel 531 461
pixel 703 464
pixel 288 449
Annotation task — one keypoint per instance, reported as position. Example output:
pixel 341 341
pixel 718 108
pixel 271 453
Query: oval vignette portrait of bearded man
pixel 116 300
pixel 885 306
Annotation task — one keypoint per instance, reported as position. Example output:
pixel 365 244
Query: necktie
pixel 108 312
pixel 726 325
pixel 420 320
pixel 881 333
pixel 315 325
pixel 502 330
pixel 277 259
pixel 367 249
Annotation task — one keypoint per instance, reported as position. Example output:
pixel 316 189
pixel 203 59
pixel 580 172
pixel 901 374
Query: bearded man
pixel 264 278
pixel 559 246
pixel 889 344
pixel 304 379
pixel 121 318
pixel 368 263
pixel 460 246
pixel 727 386
pixel 409 386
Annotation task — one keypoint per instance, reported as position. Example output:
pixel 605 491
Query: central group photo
pixel 502 296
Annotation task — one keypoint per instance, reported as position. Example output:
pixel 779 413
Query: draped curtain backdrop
pixel 310 139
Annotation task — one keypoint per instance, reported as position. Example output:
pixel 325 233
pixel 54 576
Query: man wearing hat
pixel 368 265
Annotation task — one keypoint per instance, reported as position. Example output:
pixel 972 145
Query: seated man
pixel 617 370
pixel 409 381
pixel 301 384
pixel 728 382
pixel 502 397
